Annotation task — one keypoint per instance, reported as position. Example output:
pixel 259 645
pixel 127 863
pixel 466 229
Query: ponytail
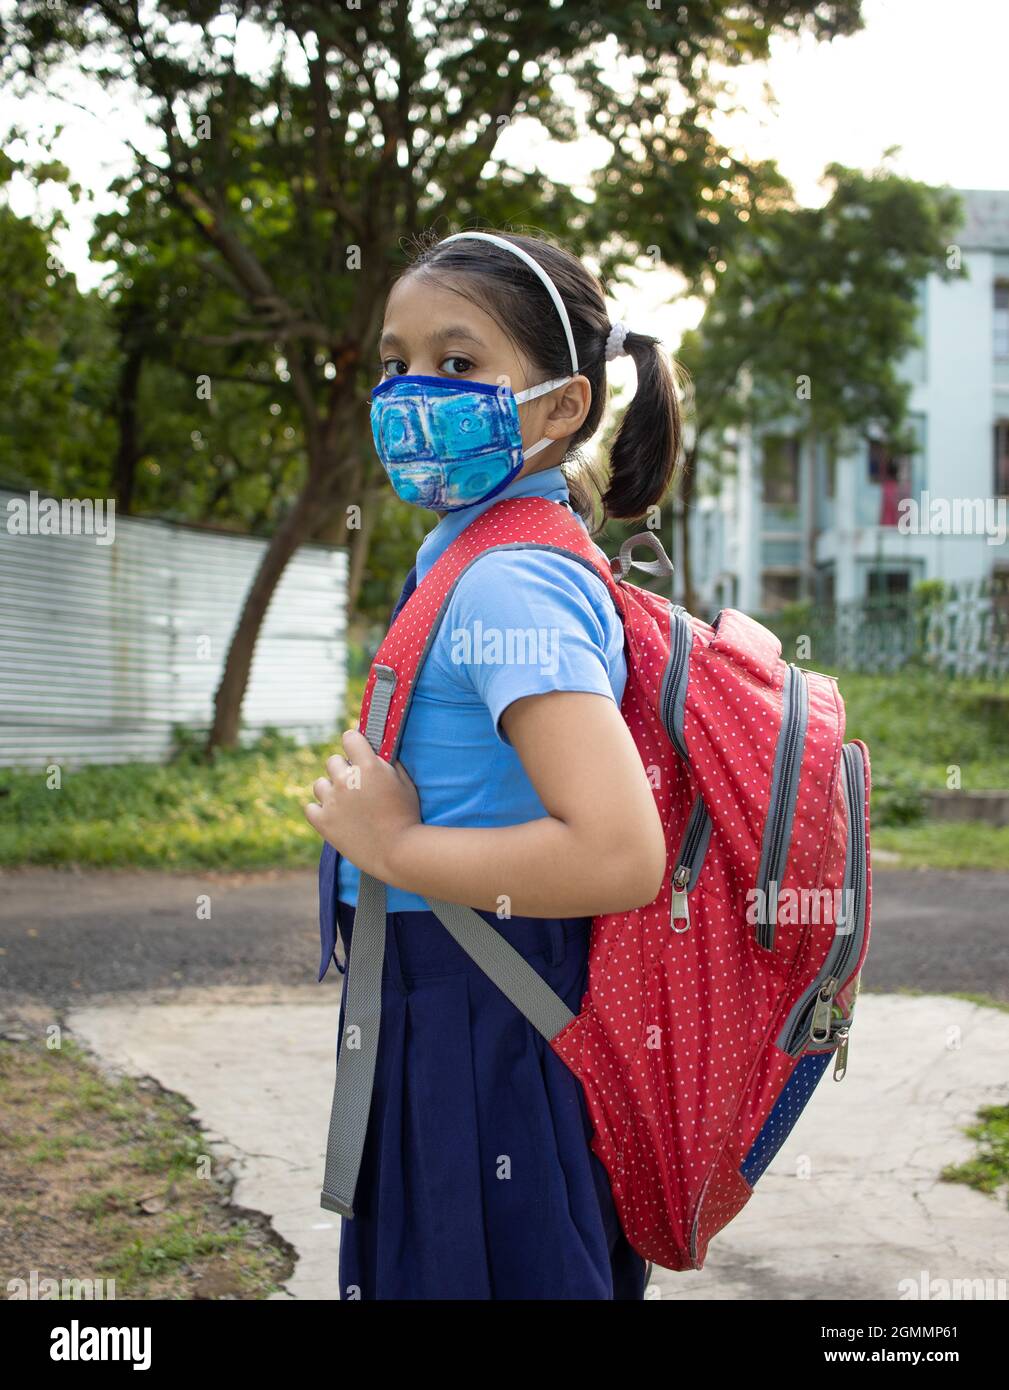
pixel 646 449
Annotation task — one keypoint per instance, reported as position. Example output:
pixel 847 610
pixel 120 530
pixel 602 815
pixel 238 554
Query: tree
pixel 223 447
pixel 810 321
pixel 55 352
pixel 368 123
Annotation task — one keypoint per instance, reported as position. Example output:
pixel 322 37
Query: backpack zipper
pixel 674 680
pixel 689 859
pixel 784 788
pixel 809 1022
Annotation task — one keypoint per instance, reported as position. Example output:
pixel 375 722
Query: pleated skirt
pixel 477 1180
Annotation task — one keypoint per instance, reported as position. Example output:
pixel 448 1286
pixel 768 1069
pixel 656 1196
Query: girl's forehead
pixel 418 305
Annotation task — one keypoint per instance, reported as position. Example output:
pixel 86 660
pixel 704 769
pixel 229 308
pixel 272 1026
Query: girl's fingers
pixel 336 766
pixel 357 746
pixel 321 787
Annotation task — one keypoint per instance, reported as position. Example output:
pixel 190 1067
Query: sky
pixel 928 76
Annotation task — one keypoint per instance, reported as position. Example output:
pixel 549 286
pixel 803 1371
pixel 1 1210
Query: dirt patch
pixel 104 1177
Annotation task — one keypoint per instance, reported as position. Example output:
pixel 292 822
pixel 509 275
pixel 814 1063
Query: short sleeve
pixel 526 622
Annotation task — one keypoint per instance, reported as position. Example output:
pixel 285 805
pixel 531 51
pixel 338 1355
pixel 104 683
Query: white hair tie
pixel 615 341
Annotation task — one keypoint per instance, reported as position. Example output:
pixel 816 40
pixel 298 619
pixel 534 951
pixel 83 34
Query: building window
pixel 1002 458
pixel 779 589
pixel 825 592
pixel 780 470
pixel 891 472
pixel 887 583
pixel 1000 318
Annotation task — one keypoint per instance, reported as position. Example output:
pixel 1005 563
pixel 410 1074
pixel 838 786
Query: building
pixel 789 526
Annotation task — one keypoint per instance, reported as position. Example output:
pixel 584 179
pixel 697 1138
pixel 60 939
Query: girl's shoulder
pixel 527 621
pixel 534 584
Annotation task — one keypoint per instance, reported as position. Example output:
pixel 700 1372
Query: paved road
pixel 227 1012
pixel 67 936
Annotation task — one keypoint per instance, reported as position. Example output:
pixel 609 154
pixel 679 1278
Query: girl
pixel 518 783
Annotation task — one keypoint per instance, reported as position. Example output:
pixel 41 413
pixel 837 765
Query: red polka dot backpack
pixel 711 1014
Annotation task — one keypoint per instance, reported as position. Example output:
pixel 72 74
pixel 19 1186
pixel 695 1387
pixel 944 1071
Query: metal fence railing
pixel 958 630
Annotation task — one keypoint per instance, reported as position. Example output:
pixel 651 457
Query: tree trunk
pixel 360 544
pixel 329 487
pixel 296 527
pixel 126 417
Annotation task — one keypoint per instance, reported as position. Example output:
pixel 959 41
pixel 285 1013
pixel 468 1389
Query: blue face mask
pixel 450 444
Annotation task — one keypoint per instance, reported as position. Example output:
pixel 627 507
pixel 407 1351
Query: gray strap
pixel 357 1050
pixel 662 565
pixel 502 964
pixel 378 710
pixel 355 1071
pixel 355 1065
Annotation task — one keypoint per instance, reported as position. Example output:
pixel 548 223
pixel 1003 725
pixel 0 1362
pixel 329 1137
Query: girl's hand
pixel 364 806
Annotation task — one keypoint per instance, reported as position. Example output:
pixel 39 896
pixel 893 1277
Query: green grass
pixel 988 1170
pixel 244 811
pixel 922 731
pixel 943 845
pixel 918 727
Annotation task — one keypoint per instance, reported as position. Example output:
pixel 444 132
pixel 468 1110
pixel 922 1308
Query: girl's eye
pixel 393 362
pixel 465 367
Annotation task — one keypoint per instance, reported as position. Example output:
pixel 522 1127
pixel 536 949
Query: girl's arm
pixel 599 849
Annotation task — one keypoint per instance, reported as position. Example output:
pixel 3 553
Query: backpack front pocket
pixel 816 1022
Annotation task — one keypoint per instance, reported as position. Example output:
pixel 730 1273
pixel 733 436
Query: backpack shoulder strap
pixel 520 523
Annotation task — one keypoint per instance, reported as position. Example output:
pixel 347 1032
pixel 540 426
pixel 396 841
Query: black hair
pixel 646 449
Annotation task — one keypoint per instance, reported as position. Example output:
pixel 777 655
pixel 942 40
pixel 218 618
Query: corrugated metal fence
pixel 103 648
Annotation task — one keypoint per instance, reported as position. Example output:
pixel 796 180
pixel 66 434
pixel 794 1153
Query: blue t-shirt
pixel 520 622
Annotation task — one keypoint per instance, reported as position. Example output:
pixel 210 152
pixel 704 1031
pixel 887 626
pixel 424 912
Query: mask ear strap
pixel 528 394
pixel 531 392
pixel 528 453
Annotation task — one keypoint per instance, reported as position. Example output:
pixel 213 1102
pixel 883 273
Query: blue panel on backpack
pixel 788 1107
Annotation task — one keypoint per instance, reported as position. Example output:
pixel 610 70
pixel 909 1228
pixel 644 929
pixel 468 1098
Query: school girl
pixel 518 783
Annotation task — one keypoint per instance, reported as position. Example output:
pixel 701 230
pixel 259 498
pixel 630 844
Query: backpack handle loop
pixel 661 565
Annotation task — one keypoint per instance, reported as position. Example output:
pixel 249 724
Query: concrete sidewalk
pixel 851 1207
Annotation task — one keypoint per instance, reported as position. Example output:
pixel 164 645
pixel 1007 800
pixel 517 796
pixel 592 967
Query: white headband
pixel 535 266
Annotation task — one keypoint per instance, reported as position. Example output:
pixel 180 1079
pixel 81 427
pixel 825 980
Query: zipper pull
pixel 819 1024
pixel 679 911
pixel 841 1060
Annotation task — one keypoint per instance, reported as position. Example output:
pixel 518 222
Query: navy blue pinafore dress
pixel 477 1180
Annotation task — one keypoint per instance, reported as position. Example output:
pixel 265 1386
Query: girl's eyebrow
pixel 438 335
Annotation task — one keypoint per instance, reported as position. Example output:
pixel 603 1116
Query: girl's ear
pixel 573 403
